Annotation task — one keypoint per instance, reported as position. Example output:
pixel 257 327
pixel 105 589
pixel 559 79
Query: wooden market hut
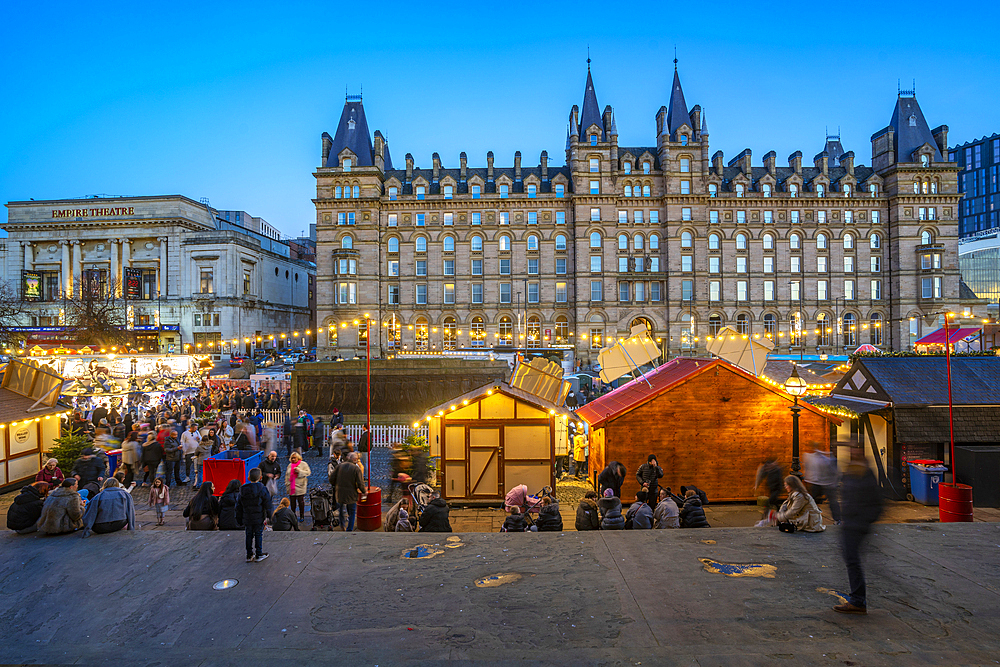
pixel 493 438
pixel 708 422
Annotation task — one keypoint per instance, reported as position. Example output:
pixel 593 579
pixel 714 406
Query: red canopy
pixel 955 335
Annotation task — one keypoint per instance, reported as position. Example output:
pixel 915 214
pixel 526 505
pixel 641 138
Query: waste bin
pixel 114 460
pixel 925 475
pixel 229 465
pixel 370 510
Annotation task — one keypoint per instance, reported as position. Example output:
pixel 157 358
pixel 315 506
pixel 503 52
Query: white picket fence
pixel 383 435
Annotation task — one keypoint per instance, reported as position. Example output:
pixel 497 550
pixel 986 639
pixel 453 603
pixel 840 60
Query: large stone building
pixel 202 280
pixel 821 258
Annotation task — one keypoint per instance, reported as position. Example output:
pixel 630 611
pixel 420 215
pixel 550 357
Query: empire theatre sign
pixel 92 212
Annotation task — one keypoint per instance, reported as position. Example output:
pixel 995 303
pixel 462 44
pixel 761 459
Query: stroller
pixel 421 494
pixel 321 508
pixel 528 504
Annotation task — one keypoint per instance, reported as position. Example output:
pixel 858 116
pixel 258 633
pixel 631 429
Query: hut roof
pixel 923 380
pixel 502 388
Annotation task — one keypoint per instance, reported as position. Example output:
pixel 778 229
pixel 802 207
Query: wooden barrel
pixel 370 510
pixel 954 502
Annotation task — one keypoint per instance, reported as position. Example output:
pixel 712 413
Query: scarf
pixel 292 475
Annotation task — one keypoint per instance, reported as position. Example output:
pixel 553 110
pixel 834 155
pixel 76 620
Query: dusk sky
pixel 210 101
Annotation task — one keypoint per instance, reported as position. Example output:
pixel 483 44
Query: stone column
pixel 66 278
pixel 77 265
pixel 29 256
pixel 116 272
pixel 163 266
pixel 126 253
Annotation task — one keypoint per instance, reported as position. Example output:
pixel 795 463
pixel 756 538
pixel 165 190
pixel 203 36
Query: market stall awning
pixel 954 336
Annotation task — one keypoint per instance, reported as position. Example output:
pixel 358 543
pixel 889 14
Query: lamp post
pixel 795 386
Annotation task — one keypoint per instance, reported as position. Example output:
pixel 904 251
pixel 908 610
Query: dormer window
pixel 873 189
pixel 560 190
pixel 847 190
pixel 627 167
pixel 713 190
pixel 913 120
pixel 820 190
pixel 347 164
pixel 766 190
pixel 646 166
pixel 393 192
pixel 593 140
pixel 503 191
pixel 421 191
pixel 739 190
pixel 793 190
pixel 532 191
pixel 925 160
pixel 684 140
pixel 475 192
pixel 448 192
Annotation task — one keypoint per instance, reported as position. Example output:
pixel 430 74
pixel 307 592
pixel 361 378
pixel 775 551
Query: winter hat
pixel 608 493
pixel 87 451
pixel 651 458
pixel 403 514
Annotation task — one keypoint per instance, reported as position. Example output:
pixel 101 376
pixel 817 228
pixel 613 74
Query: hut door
pixel 484 463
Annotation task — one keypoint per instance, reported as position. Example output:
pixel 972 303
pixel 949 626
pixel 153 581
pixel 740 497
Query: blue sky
pixel 210 101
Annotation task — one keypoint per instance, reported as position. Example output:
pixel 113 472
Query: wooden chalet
pixel 708 422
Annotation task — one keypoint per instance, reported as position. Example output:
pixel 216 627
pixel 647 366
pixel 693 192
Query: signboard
pixel 133 283
pixel 32 286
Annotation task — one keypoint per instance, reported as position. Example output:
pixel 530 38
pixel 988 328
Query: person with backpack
pixel 253 510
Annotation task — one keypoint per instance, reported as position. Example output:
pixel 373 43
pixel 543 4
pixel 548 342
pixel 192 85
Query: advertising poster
pixel 32 286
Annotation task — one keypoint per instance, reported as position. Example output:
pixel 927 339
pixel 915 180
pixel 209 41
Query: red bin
pixel 954 503
pixel 370 510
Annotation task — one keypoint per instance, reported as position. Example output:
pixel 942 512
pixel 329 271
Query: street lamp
pixel 795 386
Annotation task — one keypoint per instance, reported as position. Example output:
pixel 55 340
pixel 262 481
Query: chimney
pixel 743 162
pixel 661 121
pixel 437 167
pixel 379 151
pixel 717 163
pixel 574 123
pixel 409 167
pixel 327 145
pixel 517 165
pixel 940 135
pixel 822 162
pixel 696 119
pixel 464 161
pixel 606 120
pixel 769 161
pixel 795 162
pixel 847 162
pixel 545 166
pixel 489 167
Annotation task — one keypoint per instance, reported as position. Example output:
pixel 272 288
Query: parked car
pixel 237 361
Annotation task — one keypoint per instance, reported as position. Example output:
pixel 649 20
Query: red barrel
pixel 954 502
pixel 370 510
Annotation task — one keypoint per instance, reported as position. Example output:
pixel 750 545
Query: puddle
pixel 497 580
pixel 708 541
pixel 454 542
pixel 422 551
pixel 837 594
pixel 739 569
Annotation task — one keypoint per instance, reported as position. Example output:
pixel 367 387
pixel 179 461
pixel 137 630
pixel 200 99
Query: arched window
pixel 449 244
pixel 739 189
pixel 873 189
pixel 477 332
pixel 645 191
pixel 347 243
pixel 449 329
pixel 743 324
pixel 504 242
pixel 654 242
pixel 562 329
pixel 560 242
pixel 421 244
pixel 848 241
pixel 925 160
pixel 916 187
pixel 688 331
pixel 627 167
pixel 595 239
pixel 793 190
pixel 393 244
pixel 850 330
pixel 770 325
pixel 847 189
pixel 714 324
pixel 875 241
pixel 713 241
pixel 532 242
pixel 766 190
pixel 623 242
pixel 421 334
pixel 476 243
pixel 506 331
pixel 875 329
pixel 820 190
pixel 926 238
pixel 934 187
pixel 741 241
pixel 646 166
pixel 713 190
pixel 821 241
pixel 823 329
pixel 687 239
pixel 534 331
pixel 768 240
pixel 638 242
pixel 628 190
pixel 794 241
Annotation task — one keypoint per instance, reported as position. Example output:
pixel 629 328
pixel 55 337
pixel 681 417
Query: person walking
pixel 152 454
pixel 190 440
pixel 819 472
pixel 271 470
pixel 769 473
pixel 172 456
pixel 579 456
pixel 252 511
pixel 131 456
pixel 296 481
pixel 860 507
pixel 647 476
pixel 348 485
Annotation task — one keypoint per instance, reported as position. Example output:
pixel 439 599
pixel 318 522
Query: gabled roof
pixel 664 378
pixel 497 387
pixel 353 134
pixel 591 114
pixel 834 149
pixel 923 380
pixel 782 174
pixel 677 114
pixel 911 130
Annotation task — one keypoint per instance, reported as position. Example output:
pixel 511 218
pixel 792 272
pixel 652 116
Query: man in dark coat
pixel 639 516
pixel 88 469
pixel 647 476
pixel 100 412
pixel 23 514
pixel 252 510
pixel 860 507
pixel 349 487
pixel 692 515
pixel 612 478
pixel 549 518
pixel 248 402
pixel 434 518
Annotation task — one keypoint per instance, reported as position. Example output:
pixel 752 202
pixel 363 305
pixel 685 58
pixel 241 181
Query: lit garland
pixel 836 410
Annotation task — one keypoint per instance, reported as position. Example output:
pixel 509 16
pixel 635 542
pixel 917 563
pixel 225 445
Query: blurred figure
pixel 769 473
pixel 860 507
pixel 819 471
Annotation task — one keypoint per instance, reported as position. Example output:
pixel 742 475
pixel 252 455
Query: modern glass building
pixel 979 262
pixel 979 181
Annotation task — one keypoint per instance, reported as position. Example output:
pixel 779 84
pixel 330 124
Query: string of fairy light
pixel 30 420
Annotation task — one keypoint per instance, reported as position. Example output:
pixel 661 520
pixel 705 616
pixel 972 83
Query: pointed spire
pixel 567 136
pixel 911 130
pixel 704 123
pixel 591 114
pixel 352 133
pixel 614 125
pixel 677 114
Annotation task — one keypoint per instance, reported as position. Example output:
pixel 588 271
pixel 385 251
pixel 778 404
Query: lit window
pixel 449 292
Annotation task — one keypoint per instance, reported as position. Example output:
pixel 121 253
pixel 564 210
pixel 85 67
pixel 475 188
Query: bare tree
pixel 13 313
pixel 97 311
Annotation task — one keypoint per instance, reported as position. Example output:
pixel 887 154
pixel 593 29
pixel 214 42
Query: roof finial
pixel 588 57
pixel 675 57
pixel 899 88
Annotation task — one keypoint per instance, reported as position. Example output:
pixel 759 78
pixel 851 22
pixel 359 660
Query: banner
pixel 32 286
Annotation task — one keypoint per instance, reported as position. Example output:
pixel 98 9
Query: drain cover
pixel 224 584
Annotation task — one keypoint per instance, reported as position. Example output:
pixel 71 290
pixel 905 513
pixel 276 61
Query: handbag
pixel 786 527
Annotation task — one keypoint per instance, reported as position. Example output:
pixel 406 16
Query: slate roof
pixel 923 380
pixel 911 130
pixel 677 112
pixel 352 133
pixel 930 424
pixel 591 114
pixel 462 187
pixel 834 149
pixel 637 151
pixel 781 175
